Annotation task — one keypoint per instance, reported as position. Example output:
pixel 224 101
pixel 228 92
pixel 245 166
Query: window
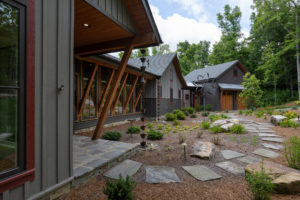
pixel 16 93
pixel 171 95
pixel 179 94
pixel 187 97
pixel 235 72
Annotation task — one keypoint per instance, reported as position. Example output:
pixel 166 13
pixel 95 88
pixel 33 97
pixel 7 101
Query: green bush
pixel 214 117
pixel 292 152
pixel 160 126
pixel 199 108
pixel 191 110
pixel 120 189
pixel 176 111
pixel 154 135
pixel 208 107
pixel 205 125
pixel 289 123
pixel 216 129
pixel 260 184
pixel 238 128
pixel 176 122
pixel 248 112
pixel 193 116
pixel 180 115
pixel 240 112
pixel 205 114
pixel 224 116
pixel 170 117
pixel 111 135
pixel 259 113
pixel 133 130
pixel 150 125
pixel 186 113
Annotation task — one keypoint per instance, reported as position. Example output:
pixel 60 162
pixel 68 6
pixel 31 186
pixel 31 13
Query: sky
pixel 194 20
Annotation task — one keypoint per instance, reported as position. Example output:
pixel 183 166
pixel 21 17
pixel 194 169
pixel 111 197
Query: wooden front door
pixel 227 100
pixel 240 105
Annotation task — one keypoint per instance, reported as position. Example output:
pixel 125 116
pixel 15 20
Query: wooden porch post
pixel 112 92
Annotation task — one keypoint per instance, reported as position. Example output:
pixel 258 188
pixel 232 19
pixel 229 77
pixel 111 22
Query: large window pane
pixel 8 129
pixel 9 32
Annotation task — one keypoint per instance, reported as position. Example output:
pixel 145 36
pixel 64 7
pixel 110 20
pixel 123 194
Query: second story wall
pixel 232 76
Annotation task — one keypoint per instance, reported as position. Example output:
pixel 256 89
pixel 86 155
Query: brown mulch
pixel 170 153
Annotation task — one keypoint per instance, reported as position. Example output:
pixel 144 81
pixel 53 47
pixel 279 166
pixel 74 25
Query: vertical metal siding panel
pixel 120 11
pixel 114 8
pixel 102 4
pixel 108 6
pixel 4 195
pixel 16 193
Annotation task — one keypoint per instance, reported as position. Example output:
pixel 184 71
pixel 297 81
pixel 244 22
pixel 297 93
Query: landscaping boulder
pixel 285 179
pixel 227 127
pixel 219 122
pixel 204 150
pixel 276 119
pixel 226 124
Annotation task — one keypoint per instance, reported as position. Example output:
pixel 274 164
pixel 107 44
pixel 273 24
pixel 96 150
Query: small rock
pixel 288 183
pixel 204 150
pixel 276 119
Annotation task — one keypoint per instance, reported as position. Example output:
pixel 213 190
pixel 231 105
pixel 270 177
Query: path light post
pixel 142 83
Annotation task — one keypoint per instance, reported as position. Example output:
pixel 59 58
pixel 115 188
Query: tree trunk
pixel 297 54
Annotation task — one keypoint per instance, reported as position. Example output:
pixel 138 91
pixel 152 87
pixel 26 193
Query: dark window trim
pixel 235 72
pixel 28 173
pixel 171 95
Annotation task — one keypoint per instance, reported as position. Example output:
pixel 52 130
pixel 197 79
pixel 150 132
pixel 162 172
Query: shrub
pixel 176 111
pixel 214 117
pixel 154 135
pixel 260 183
pixel 248 112
pixel 170 117
pixel 289 123
pixel 180 115
pixel 208 107
pixel 120 189
pixel 186 113
pixel 238 128
pixel 193 116
pixel 259 113
pixel 205 114
pixel 150 125
pixel 199 108
pixel 111 135
pixel 133 130
pixel 160 126
pixel 292 152
pixel 205 125
pixel 216 129
pixel 290 114
pixel 176 122
pixel 240 112
pixel 190 110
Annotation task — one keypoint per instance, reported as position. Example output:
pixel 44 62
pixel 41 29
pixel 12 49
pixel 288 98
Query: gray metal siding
pixel 166 106
pixel 116 10
pixel 167 84
pixel 212 95
pixel 228 77
pixel 53 110
pixel 150 89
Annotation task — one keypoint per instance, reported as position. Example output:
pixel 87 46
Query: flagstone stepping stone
pixel 270 139
pixel 272 146
pixel 231 167
pixel 266 153
pixel 127 167
pixel 229 154
pixel 201 172
pixel 267 131
pixel 204 150
pixel 249 159
pixel 267 135
pixel 160 174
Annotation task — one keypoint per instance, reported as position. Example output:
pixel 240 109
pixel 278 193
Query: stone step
pixel 267 135
pixel 229 154
pixel 270 139
pixel 161 174
pixel 266 153
pixel 231 167
pixel 272 146
pixel 125 168
pixel 201 172
pixel 249 159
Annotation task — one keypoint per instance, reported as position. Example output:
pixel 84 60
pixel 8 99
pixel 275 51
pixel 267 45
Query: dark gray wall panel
pixel 228 77
pixel 166 106
pixel 212 95
pixel 150 105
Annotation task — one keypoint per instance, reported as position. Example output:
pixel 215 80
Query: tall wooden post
pixel 112 92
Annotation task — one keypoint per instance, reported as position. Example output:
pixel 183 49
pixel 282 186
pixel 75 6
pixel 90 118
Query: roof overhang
pixel 105 33
pixel 178 71
pixel 225 86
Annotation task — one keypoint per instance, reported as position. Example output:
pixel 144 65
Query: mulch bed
pixel 170 153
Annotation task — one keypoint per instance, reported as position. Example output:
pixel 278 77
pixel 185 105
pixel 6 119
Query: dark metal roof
pixel 213 71
pixel 231 86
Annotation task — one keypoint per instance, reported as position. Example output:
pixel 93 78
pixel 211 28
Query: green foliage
pixel 213 118
pixel 133 130
pixel 180 115
pixel 282 96
pixel 254 140
pixel 297 103
pixel 193 116
pixel 161 49
pixel 248 112
pixel 176 122
pixel 290 114
pixel 259 113
pixel 111 135
pixel 176 111
pixel 252 94
pixel 240 112
pixel 205 125
pixel 160 126
pixel 154 135
pixel 208 107
pixel 170 117
pixel 244 139
pixel 260 184
pixel 289 123
pixel 120 189
pixel 292 152
pixel 238 129
pixel 216 129
pixel 205 114
pixel 199 108
pixel 191 110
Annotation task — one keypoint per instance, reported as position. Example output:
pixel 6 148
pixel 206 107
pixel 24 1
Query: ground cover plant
pixel 292 152
pixel 216 129
pixel 199 108
pixel 205 125
pixel 208 107
pixel 170 117
pixel 259 113
pixel 238 129
pixel 180 115
pixel 120 189
pixel 290 114
pixel 112 135
pixel 289 123
pixel 154 135
pixel 133 130
pixel 254 140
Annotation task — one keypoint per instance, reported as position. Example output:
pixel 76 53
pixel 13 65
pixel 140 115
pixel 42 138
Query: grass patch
pixel 238 129
pixel 254 140
pixel 205 125
pixel 216 129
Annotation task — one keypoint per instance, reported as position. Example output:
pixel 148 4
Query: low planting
pixel 290 115
pixel 170 117
pixel 260 183
pixel 150 125
pixel 292 152
pixel 254 140
pixel 180 115
pixel 216 129
pixel 205 114
pixel 289 123
pixel 154 135
pixel 176 122
pixel 160 126
pixel 120 189
pixel 133 130
pixel 259 113
pixel 241 112
pixel 217 117
pixel 248 112
pixel 238 129
pixel 112 135
pixel 199 108
pixel 208 107
pixel 205 125
pixel 193 116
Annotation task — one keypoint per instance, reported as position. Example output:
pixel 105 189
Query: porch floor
pixel 89 155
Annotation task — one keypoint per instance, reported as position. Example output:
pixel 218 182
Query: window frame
pixel 235 72
pixel 28 62
pixel 171 95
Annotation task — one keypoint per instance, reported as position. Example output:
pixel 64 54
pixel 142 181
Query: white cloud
pixel 194 7
pixel 176 28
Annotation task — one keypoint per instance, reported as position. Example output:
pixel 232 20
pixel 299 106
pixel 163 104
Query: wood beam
pixel 112 92
pixel 88 88
pixel 116 45
pixel 103 97
pixel 119 93
pixel 131 92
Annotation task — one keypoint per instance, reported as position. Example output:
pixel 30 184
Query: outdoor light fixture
pixel 86 25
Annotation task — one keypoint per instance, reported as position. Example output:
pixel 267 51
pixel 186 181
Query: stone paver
pixel 201 172
pixel 267 131
pixel 249 159
pixel 267 135
pixel 127 167
pixel 231 167
pixel 272 146
pixel 229 154
pixel 266 153
pixel 279 140
pixel 160 174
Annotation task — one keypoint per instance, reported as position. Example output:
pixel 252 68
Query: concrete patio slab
pixel 125 168
pixel 229 154
pixel 266 153
pixel 201 173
